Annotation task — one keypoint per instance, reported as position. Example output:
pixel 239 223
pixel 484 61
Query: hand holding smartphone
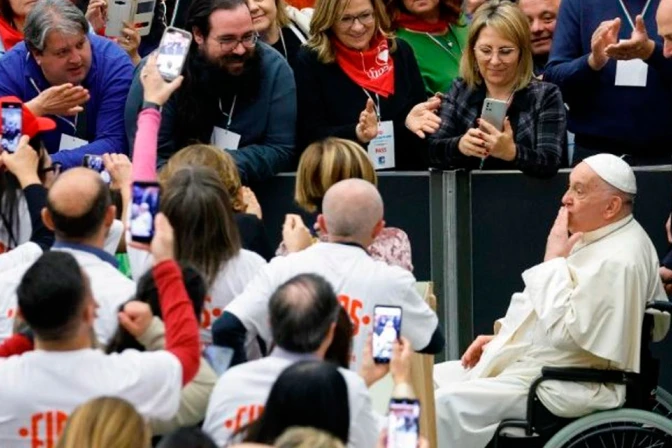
pixel 97 164
pixel 12 126
pixel 494 112
pixel 386 330
pixel 144 208
pixel 403 430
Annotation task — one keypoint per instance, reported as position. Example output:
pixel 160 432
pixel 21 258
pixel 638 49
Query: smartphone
pixel 219 358
pixel 143 16
pixel 144 207
pixel 403 423
pixel 12 126
pixel 96 163
pixel 118 12
pixel 386 330
pixel 494 112
pixel 173 51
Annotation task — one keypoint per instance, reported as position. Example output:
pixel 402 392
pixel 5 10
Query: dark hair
pixel 450 10
pixel 147 292
pixel 199 208
pixel 199 12
pixel 7 13
pixel 307 393
pixel 187 438
pixel 9 195
pixel 51 294
pixel 340 350
pixel 87 224
pixel 301 312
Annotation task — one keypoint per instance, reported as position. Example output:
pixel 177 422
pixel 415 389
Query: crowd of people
pixel 147 307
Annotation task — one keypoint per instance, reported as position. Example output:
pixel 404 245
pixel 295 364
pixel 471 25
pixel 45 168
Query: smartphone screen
pixel 387 326
pixel 403 423
pixel 96 163
pixel 219 358
pixel 173 51
pixel 12 126
pixel 144 208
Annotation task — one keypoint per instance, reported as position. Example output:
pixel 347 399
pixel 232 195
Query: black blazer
pixel 329 104
pixel 253 235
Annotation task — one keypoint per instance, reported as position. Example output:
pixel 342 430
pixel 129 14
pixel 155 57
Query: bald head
pixel 77 204
pixel 664 22
pixel 353 209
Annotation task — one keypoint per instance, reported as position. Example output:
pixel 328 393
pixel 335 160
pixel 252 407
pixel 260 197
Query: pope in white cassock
pixel 582 307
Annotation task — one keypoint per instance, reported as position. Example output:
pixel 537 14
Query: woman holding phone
pixel 496 69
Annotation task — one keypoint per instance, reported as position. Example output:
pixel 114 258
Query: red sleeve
pixel 15 345
pixel 182 337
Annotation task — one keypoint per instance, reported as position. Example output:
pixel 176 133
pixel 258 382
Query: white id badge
pixel 225 139
pixel 381 148
pixel 631 73
pixel 70 142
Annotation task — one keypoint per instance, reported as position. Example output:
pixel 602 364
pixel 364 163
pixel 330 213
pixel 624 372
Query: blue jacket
pixel 108 82
pixel 633 120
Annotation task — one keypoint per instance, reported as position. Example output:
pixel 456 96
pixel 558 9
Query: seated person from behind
pixel 81 80
pixel 582 307
pixel 497 65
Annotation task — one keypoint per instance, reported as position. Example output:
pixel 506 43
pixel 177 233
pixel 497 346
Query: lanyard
pixel 627 13
pixel 230 114
pixel 284 47
pixel 74 126
pixel 377 103
pixel 450 44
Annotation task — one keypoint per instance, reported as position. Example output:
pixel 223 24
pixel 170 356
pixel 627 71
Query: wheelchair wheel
pixel 663 404
pixel 625 428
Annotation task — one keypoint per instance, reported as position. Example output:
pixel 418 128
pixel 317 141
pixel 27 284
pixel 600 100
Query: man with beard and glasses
pixel 542 15
pixel 238 94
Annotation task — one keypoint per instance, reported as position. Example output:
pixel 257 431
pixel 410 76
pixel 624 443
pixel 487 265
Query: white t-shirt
pixel 109 286
pixel 21 230
pixel 241 393
pixel 360 283
pixel 40 389
pixel 230 282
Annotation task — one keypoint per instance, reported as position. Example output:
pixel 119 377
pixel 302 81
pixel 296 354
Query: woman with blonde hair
pixel 354 80
pixel 247 211
pixel 283 27
pixel 323 164
pixel 105 422
pixel 497 65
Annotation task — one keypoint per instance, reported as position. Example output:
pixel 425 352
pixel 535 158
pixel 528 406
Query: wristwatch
pixel 150 105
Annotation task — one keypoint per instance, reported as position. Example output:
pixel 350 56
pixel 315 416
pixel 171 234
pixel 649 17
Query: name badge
pixel 381 148
pixel 69 142
pixel 631 73
pixel 225 139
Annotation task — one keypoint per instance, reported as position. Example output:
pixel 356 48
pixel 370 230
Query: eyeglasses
pixel 230 43
pixel 55 168
pixel 365 18
pixel 503 54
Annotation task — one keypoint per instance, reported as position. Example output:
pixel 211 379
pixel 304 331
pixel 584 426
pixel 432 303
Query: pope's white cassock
pixel 585 310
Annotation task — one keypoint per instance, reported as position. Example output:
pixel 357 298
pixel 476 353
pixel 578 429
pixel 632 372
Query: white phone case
pixel 118 12
pixel 494 112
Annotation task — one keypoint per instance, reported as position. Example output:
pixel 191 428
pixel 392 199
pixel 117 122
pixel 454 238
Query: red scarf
pixel 414 23
pixel 371 69
pixel 9 35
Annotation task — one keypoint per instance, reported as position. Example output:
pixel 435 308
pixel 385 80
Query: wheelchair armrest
pixel 585 375
pixel 660 305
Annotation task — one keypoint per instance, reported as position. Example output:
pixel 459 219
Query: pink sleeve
pixel 146 142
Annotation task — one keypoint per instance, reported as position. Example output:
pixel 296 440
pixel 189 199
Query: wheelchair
pixel 645 420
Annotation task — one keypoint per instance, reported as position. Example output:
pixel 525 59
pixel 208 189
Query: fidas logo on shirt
pixel 245 415
pixel 209 314
pixel 354 308
pixel 44 429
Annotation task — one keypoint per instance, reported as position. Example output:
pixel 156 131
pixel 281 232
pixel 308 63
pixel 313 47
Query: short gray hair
pixel 52 15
